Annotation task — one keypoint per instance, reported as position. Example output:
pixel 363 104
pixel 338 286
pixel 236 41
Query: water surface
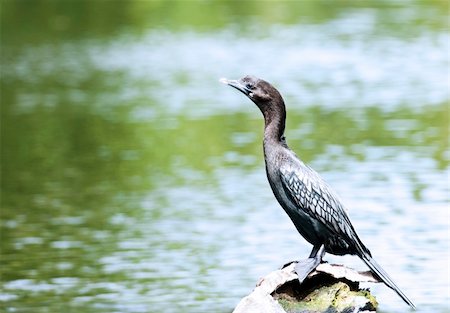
pixel 133 181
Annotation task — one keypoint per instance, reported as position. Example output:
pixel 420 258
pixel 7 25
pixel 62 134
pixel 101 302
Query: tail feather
pixel 382 275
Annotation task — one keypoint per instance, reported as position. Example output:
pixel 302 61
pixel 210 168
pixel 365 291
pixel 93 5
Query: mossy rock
pixel 330 288
pixel 324 294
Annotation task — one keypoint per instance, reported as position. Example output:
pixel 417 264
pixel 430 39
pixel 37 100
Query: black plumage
pixel 314 208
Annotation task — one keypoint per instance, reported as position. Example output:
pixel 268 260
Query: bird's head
pixel 263 94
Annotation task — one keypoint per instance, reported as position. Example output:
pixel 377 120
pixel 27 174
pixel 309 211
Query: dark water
pixel 133 181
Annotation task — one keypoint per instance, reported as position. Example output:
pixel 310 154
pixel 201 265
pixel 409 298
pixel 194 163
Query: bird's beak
pixel 236 84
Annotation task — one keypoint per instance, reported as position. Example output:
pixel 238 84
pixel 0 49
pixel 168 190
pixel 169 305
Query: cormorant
pixel 314 208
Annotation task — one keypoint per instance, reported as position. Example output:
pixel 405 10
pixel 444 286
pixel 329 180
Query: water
pixel 133 181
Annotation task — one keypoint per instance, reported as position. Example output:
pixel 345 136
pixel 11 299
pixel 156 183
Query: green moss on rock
pixel 335 298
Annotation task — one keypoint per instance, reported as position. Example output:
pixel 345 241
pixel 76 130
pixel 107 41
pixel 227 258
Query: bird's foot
pixel 304 267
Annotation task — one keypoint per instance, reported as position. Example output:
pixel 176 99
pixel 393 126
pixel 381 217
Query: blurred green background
pixel 132 181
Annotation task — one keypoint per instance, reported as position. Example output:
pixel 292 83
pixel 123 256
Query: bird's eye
pixel 249 86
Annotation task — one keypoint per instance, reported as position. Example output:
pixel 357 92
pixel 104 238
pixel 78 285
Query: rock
pixel 330 288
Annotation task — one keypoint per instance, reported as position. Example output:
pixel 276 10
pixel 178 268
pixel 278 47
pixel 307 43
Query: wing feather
pixel 312 195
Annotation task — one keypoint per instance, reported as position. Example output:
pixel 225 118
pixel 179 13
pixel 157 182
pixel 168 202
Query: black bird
pixel 314 208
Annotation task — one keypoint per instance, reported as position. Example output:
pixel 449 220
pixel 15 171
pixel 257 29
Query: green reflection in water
pixel 50 20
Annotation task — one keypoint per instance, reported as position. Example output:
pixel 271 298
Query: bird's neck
pixel 275 122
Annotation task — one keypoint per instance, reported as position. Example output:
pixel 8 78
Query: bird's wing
pixel 312 195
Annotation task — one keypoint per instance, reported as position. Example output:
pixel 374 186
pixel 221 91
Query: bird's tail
pixel 382 275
